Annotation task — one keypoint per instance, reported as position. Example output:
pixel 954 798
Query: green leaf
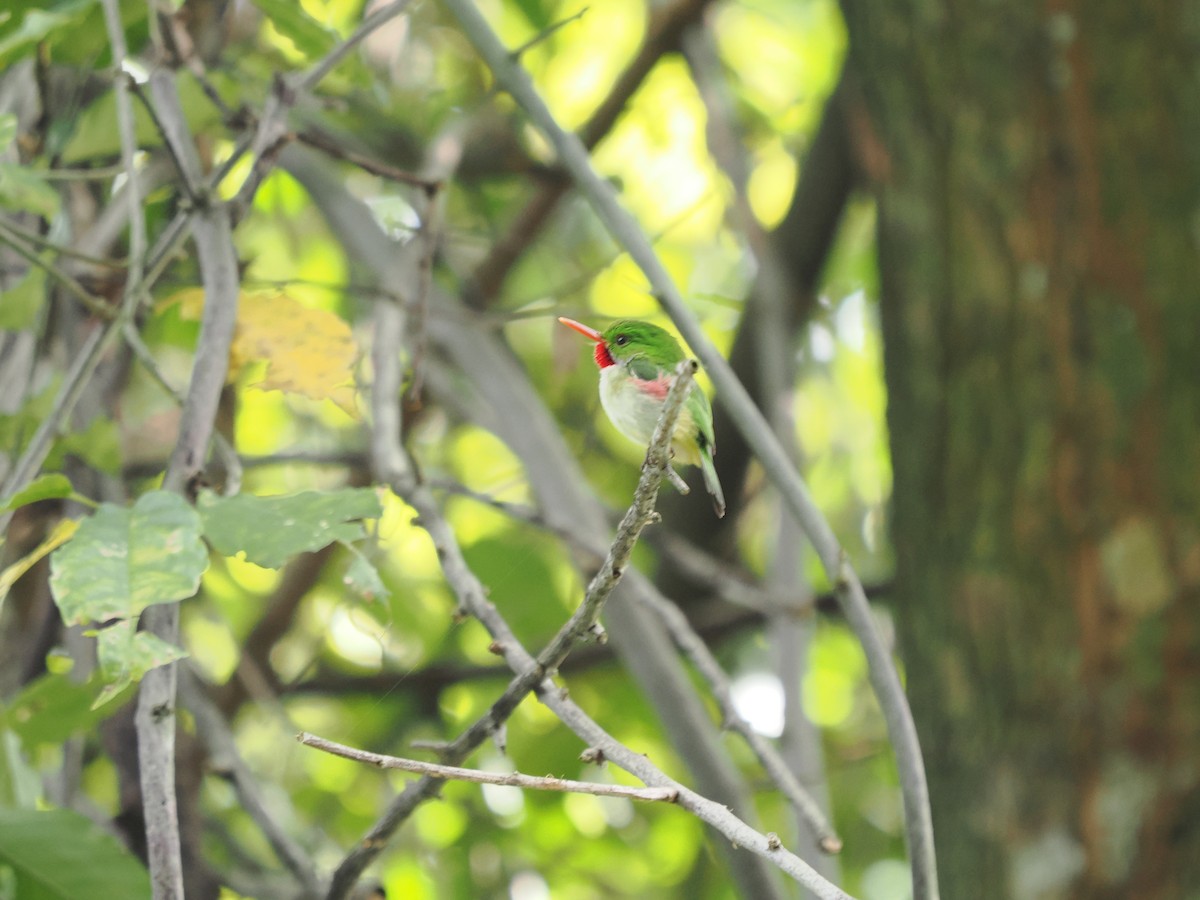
pixel 53 486
pixel 289 18
pixel 93 137
pixel 363 578
pixel 52 709
pixel 20 188
pixel 59 535
pixel 8 130
pixel 22 302
pixel 271 530
pixel 57 854
pixel 37 25
pixel 20 784
pixel 98 445
pixel 123 560
pixel 127 654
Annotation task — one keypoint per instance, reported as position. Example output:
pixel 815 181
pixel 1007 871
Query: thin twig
pixel 224 450
pixel 662 36
pixel 272 133
pixel 379 17
pixel 530 672
pixel 74 383
pixel 445 154
pixel 882 673
pixel 90 301
pixel 511 779
pixel 700 566
pixel 45 243
pixel 548 32
pixel 330 147
pixel 694 648
pixel 154 719
pixel 129 147
pixel 223 754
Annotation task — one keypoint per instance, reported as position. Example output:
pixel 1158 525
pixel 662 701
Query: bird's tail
pixel 711 483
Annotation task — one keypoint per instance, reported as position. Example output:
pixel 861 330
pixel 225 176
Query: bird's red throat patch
pixel 603 357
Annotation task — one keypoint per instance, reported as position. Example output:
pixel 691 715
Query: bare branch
pixel 90 301
pixel 125 127
pixel 155 718
pixel 225 451
pixel 512 779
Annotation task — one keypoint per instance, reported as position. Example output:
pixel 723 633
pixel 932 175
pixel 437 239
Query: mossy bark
pixel 1039 230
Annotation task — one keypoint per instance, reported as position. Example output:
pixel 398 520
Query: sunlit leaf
pixel 22 189
pixel 363 578
pixel 8 130
pixel 52 486
pixel 20 784
pixel 57 854
pixel 126 655
pixel 22 302
pixel 99 445
pixel 289 18
pixel 37 25
pixel 308 351
pixel 60 535
pixel 271 530
pixel 51 709
pixel 125 559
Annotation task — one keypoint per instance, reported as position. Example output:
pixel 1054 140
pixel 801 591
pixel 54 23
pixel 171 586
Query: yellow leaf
pixel 308 351
pixel 190 300
pixel 60 535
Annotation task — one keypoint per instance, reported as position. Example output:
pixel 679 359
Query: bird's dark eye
pixel 621 340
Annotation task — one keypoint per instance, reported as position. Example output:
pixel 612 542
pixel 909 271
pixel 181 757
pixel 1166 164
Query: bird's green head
pixel 628 339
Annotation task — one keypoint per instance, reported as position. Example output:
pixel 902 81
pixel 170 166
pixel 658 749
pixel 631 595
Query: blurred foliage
pixel 381 608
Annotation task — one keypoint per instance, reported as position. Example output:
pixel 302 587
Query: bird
pixel 637 362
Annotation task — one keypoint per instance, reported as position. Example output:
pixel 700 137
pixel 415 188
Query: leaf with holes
pixel 271 530
pixel 126 655
pixel 363 578
pixel 122 560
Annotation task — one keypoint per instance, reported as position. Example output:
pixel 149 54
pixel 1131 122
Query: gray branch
pixel 511 779
pixel 155 718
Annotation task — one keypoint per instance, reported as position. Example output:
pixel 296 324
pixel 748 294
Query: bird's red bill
pixel 590 333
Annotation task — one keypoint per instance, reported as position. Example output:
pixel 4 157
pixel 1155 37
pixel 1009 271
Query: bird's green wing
pixel 697 404
pixel 643 369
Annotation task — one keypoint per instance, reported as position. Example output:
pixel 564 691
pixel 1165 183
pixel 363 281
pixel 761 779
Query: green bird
pixel 637 363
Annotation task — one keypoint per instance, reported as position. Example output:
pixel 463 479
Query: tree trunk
pixel 1039 230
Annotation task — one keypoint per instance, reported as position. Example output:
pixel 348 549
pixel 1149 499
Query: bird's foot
pixel 675 479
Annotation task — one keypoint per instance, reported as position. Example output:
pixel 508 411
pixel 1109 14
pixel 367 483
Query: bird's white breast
pixel 635 412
